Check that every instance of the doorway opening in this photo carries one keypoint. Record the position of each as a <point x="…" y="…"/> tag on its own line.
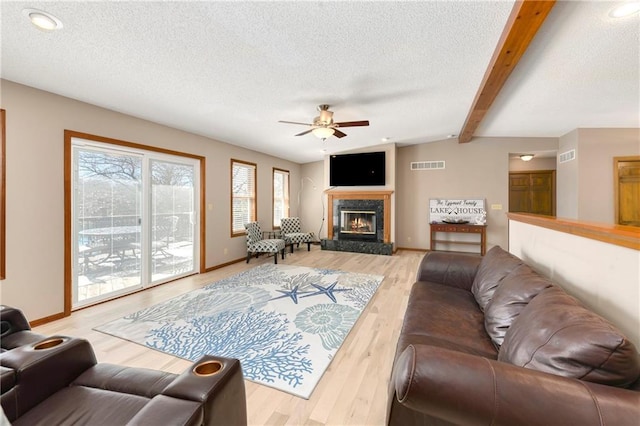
<point x="532" y="184"/>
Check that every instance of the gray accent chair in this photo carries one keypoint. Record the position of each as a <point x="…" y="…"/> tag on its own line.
<point x="256" y="244"/>
<point x="291" y="230"/>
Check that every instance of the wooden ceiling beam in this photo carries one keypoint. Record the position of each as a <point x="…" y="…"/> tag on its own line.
<point x="526" y="18"/>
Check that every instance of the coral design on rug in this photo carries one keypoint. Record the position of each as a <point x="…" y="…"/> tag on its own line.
<point x="283" y="322"/>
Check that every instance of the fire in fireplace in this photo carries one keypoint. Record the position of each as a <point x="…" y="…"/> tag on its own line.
<point x="357" y="222"/>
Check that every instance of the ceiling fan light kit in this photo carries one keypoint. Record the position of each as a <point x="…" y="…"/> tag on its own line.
<point x="323" y="125"/>
<point x="323" y="132"/>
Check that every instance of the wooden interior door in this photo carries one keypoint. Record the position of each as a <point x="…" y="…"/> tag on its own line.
<point x="627" y="190"/>
<point x="519" y="198"/>
<point x="533" y="192"/>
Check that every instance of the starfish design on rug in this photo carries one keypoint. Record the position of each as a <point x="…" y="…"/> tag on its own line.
<point x="293" y="294"/>
<point x="327" y="290"/>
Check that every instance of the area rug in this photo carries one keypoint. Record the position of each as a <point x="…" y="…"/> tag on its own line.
<point x="283" y="322"/>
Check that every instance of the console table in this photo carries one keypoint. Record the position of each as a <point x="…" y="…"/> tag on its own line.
<point x="466" y="228"/>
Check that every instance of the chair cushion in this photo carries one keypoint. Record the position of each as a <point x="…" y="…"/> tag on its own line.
<point x="297" y="237"/>
<point x="21" y="338"/>
<point x="118" y="378"/>
<point x="512" y="295"/>
<point x="272" y="245"/>
<point x="84" y="406"/>
<point x="557" y="335"/>
<point x="495" y="265"/>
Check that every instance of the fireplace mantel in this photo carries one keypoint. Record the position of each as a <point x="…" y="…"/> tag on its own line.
<point x="385" y="196"/>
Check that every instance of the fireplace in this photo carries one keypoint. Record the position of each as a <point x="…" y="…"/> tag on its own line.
<point x="357" y="224"/>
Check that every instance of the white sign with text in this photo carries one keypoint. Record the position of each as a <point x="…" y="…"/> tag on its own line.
<point x="457" y="211"/>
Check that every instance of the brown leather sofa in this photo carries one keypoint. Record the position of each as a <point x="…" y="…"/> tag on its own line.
<point x="57" y="381"/>
<point x="490" y="341"/>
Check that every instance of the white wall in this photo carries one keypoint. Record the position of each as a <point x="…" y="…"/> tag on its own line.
<point x="313" y="204"/>
<point x="567" y="188"/>
<point x="545" y="163"/>
<point x="604" y="277"/>
<point x="597" y="148"/>
<point x="479" y="169"/>
<point x="36" y="121"/>
<point x="585" y="185"/>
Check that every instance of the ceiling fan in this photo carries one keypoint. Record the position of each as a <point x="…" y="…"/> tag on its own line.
<point x="323" y="125"/>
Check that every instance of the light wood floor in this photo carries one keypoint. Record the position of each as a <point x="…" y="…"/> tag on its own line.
<point x="353" y="390"/>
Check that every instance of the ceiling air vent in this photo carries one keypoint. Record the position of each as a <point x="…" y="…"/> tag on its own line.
<point x="427" y="165"/>
<point x="568" y="156"/>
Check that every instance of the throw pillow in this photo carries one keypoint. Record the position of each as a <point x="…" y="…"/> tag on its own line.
<point x="512" y="295"/>
<point x="496" y="264"/>
<point x="557" y="335"/>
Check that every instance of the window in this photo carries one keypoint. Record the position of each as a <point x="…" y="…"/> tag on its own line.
<point x="134" y="219"/>
<point x="243" y="195"/>
<point x="280" y="195"/>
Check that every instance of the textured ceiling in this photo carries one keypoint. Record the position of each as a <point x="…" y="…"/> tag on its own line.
<point x="231" y="70"/>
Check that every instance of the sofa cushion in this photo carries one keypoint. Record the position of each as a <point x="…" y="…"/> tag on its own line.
<point x="557" y="335"/>
<point x="509" y="299"/>
<point x="438" y="313"/>
<point x="496" y="264"/>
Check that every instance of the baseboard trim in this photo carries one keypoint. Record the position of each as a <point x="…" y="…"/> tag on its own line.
<point x="45" y="320"/>
<point x="222" y="265"/>
<point x="412" y="249"/>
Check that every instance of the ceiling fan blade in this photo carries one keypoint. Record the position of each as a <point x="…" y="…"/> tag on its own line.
<point x="338" y="134"/>
<point x="353" y="123"/>
<point x="295" y="122"/>
<point x="304" y="133"/>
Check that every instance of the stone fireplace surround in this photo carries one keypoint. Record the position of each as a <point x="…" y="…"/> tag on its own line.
<point x="378" y="201"/>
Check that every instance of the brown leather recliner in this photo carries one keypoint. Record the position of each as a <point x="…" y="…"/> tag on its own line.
<point x="15" y="329"/>
<point x="57" y="380"/>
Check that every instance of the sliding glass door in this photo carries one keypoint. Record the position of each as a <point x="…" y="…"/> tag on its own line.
<point x="172" y="219"/>
<point x="134" y="219"/>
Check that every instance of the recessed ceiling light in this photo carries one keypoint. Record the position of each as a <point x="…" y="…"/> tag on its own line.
<point x="42" y="20"/>
<point x="451" y="136"/>
<point x="386" y="139"/>
<point x="625" y="9"/>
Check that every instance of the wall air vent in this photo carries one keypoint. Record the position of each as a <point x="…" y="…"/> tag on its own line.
<point x="427" y="165"/>
<point x="567" y="156"/>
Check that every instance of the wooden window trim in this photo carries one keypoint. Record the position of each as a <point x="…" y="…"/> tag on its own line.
<point x="254" y="213"/>
<point x="287" y="194"/>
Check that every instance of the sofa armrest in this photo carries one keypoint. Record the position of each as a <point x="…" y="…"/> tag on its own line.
<point x="43" y="368"/>
<point x="452" y="269"/>
<point x="467" y="389"/>
<point x="217" y="383"/>
<point x="165" y="410"/>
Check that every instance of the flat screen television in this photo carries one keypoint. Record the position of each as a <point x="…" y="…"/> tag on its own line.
<point x="362" y="169"/>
